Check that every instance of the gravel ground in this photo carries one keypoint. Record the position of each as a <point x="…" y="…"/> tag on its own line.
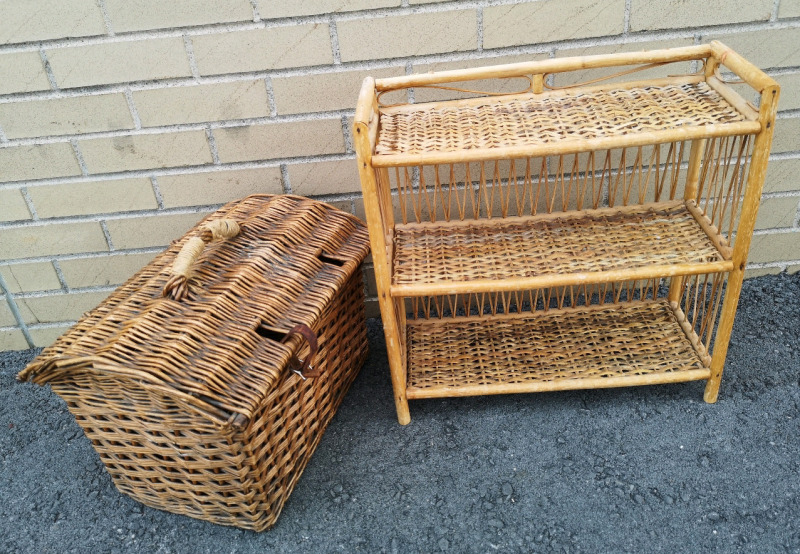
<point x="647" y="469"/>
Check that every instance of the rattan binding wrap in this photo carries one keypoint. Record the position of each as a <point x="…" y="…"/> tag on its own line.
<point x="191" y="404"/>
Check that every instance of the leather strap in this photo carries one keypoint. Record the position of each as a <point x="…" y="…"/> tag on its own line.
<point x="304" y="368"/>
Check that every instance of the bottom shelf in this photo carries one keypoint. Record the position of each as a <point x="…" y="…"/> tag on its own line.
<point x="605" y="346"/>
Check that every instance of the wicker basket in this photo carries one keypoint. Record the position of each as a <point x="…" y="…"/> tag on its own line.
<point x="189" y="385"/>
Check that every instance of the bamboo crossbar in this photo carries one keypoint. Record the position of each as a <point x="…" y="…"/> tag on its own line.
<point x="553" y="94"/>
<point x="547" y="281"/>
<point x="557" y="65"/>
<point x="582" y="383"/>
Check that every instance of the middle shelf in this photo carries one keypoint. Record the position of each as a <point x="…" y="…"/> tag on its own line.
<point x="513" y="253"/>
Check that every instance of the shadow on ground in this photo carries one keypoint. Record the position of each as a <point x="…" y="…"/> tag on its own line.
<point x="644" y="469"/>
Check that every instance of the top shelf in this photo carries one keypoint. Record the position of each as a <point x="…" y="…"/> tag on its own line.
<point x="561" y="121"/>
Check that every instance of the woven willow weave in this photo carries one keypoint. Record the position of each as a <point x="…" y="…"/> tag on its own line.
<point x="498" y="223"/>
<point x="191" y="404"/>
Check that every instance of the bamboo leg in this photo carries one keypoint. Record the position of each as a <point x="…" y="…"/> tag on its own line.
<point x="391" y="330"/>
<point x="378" y="233"/>
<point x="755" y="182"/>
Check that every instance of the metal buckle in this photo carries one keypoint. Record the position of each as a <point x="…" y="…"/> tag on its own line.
<point x="300" y="373"/>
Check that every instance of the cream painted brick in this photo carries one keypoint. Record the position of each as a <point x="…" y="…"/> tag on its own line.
<point x="41" y="161"/>
<point x="422" y="94"/>
<point x="323" y="91"/>
<point x="760" y="272"/>
<point x="775" y="247"/>
<point x="271" y="9"/>
<point x="144" y="232"/>
<point x="65" y="116"/>
<point x="787" y="135"/>
<point x="106" y="155"/>
<point x="676" y="14"/>
<point x="45" y="336"/>
<point x="124" y="195"/>
<point x="280" y="140"/>
<point x="22" y="72"/>
<point x="408" y="35"/>
<point x="574" y="77"/>
<point x="202" y="189"/>
<point x="790" y="91"/>
<point x="261" y="49"/>
<point x="119" y="62"/>
<point x="783" y="176"/>
<point x="789" y="8"/>
<point x="13" y="206"/>
<point x="7" y="318"/>
<point x="12" y="339"/>
<point x="765" y="49"/>
<point x="52" y="239"/>
<point x="114" y="269"/>
<point x="316" y="179"/>
<point x="221" y="101"/>
<point x="547" y="21"/>
<point x="775" y="213"/>
<point x="58" y="307"/>
<point x="28" y="21"/>
<point x="140" y="15"/>
<point x="30" y="277"/>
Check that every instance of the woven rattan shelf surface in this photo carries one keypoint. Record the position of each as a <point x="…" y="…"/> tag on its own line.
<point x="472" y="255"/>
<point x="589" y="347"/>
<point x="533" y="120"/>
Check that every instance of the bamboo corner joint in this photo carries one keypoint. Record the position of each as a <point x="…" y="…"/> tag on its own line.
<point x="592" y="235"/>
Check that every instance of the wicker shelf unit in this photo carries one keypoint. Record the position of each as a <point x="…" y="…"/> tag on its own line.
<point x="587" y="236"/>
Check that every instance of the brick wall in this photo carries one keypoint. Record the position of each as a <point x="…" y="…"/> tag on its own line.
<point x="122" y="122"/>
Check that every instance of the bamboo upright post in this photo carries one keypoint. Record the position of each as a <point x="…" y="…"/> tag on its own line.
<point x="755" y="184"/>
<point x="380" y="257"/>
<point x="689" y="193"/>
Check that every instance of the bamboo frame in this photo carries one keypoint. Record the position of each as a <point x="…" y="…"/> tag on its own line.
<point x="627" y="170"/>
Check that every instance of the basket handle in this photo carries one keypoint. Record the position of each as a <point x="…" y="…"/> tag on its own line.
<point x="177" y="287"/>
<point x="304" y="369"/>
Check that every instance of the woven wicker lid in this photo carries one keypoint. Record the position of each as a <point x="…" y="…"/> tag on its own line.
<point x="287" y="263"/>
